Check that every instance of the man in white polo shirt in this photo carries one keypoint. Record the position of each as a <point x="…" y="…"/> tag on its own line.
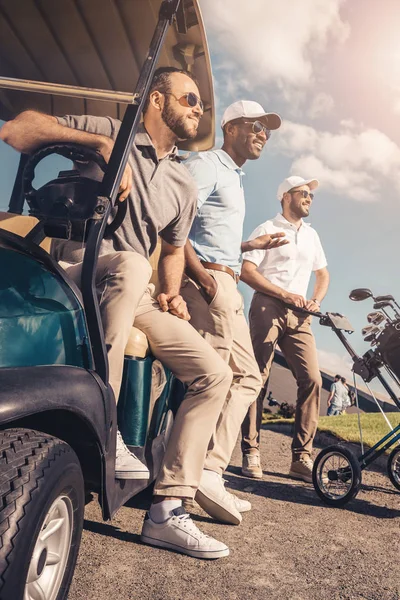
<point x="280" y="277"/>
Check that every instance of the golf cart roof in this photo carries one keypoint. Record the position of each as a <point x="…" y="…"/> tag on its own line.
<point x="84" y="56"/>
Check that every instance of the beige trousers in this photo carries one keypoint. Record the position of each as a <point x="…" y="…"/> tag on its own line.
<point x="122" y="280"/>
<point x="271" y="323"/>
<point x="222" y="323"/>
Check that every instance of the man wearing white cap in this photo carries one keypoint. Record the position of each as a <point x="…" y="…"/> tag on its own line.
<point x="213" y="257"/>
<point x="280" y="277"/>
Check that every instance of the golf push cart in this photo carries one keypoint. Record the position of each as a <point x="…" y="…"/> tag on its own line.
<point x="337" y="470"/>
<point x="58" y="416"/>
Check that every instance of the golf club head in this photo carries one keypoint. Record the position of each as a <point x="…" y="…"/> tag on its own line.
<point x="376" y="318"/>
<point x="382" y="304"/>
<point x="371" y="337"/>
<point x="387" y="298"/>
<point x="360" y="294"/>
<point x="370" y="329"/>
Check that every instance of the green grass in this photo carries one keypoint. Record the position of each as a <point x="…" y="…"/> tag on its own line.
<point x="345" y="427"/>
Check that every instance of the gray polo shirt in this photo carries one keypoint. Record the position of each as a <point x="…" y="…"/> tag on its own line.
<point x="162" y="200"/>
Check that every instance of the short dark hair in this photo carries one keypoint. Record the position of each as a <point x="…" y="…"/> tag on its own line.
<point x="338" y="376"/>
<point x="162" y="81"/>
<point x="343" y="379"/>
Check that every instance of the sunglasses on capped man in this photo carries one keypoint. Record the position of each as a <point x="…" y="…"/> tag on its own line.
<point x="304" y="193"/>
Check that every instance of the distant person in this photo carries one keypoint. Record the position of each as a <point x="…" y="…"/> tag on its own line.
<point x="280" y="277"/>
<point x="336" y="397"/>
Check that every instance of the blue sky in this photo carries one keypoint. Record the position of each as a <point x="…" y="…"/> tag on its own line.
<point x="331" y="69"/>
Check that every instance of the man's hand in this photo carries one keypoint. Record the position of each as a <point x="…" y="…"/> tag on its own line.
<point x="126" y="184"/>
<point x="208" y="291"/>
<point x="265" y="242"/>
<point x="313" y="306"/>
<point x="175" y="305"/>
<point x="295" y="299"/>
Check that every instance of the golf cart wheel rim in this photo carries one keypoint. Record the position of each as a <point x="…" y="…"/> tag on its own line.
<point x="335" y="462"/>
<point x="50" y="555"/>
<point x="395" y="467"/>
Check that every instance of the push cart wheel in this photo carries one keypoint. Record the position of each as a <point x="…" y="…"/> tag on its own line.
<point x="336" y="475"/>
<point x="41" y="515"/>
<point x="393" y="467"/>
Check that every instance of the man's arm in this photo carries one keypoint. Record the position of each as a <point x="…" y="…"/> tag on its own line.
<point x="320" y="289"/>
<point x="331" y="394"/>
<point x="31" y="130"/>
<point x="170" y="271"/>
<point x="258" y="282"/>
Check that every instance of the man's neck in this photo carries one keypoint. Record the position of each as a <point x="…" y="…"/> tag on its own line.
<point x="239" y="160"/>
<point x="163" y="138"/>
<point x="292" y="218"/>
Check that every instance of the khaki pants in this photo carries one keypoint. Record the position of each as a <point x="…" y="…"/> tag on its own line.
<point x="126" y="299"/>
<point x="271" y="323"/>
<point x="222" y="323"/>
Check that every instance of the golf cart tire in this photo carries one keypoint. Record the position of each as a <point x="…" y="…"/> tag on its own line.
<point x="38" y="473"/>
<point x="345" y="452"/>
<point x="393" y="462"/>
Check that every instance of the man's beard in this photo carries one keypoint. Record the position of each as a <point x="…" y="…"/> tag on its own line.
<point x="177" y="124"/>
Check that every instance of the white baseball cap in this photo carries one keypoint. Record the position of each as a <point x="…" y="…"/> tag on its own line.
<point x="295" y="181"/>
<point x="251" y="110"/>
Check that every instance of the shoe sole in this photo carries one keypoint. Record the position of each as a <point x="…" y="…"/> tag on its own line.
<point x="207" y="554"/>
<point x="252" y="475"/>
<point x="131" y="475"/>
<point x="216" y="511"/>
<point x="300" y="477"/>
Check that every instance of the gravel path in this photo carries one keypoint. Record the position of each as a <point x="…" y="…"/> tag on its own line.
<point x="289" y="547"/>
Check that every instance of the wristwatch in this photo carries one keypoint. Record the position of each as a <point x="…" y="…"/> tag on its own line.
<point x="316" y="301"/>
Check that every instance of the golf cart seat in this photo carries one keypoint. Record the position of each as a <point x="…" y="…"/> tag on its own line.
<point x="137" y="345"/>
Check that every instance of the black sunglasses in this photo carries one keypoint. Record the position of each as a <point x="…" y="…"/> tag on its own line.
<point x="189" y="100"/>
<point x="258" y="127"/>
<point x="304" y="193"/>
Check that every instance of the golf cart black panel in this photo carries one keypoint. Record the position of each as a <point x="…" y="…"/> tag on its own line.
<point x="98" y="44"/>
<point x="32" y="390"/>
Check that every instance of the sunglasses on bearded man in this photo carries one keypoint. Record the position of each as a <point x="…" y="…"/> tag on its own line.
<point x="188" y="100"/>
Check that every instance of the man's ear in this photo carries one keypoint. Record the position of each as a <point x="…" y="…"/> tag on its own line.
<point x="229" y="129"/>
<point x="156" y="99"/>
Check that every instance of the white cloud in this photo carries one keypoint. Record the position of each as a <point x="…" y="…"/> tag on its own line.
<point x="350" y="163"/>
<point x="274" y="43"/>
<point x="333" y="364"/>
<point x="321" y="105"/>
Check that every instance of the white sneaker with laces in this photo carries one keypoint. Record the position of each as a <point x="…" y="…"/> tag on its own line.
<point x="215" y="500"/>
<point x="180" y="534"/>
<point x="127" y="465"/>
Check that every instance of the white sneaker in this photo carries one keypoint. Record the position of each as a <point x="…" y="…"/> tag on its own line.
<point x="127" y="465"/>
<point x="215" y="500"/>
<point x="179" y="533"/>
<point x="241" y="505"/>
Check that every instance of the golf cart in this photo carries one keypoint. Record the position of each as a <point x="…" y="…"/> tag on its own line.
<point x="58" y="416"/>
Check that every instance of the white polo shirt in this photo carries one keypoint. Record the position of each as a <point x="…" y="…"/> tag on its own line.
<point x="289" y="266"/>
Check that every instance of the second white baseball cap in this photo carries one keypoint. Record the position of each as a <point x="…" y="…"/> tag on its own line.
<point x="295" y="181"/>
<point x="250" y="110"/>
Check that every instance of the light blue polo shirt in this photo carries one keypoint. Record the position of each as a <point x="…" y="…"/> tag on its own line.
<point x="217" y="229"/>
